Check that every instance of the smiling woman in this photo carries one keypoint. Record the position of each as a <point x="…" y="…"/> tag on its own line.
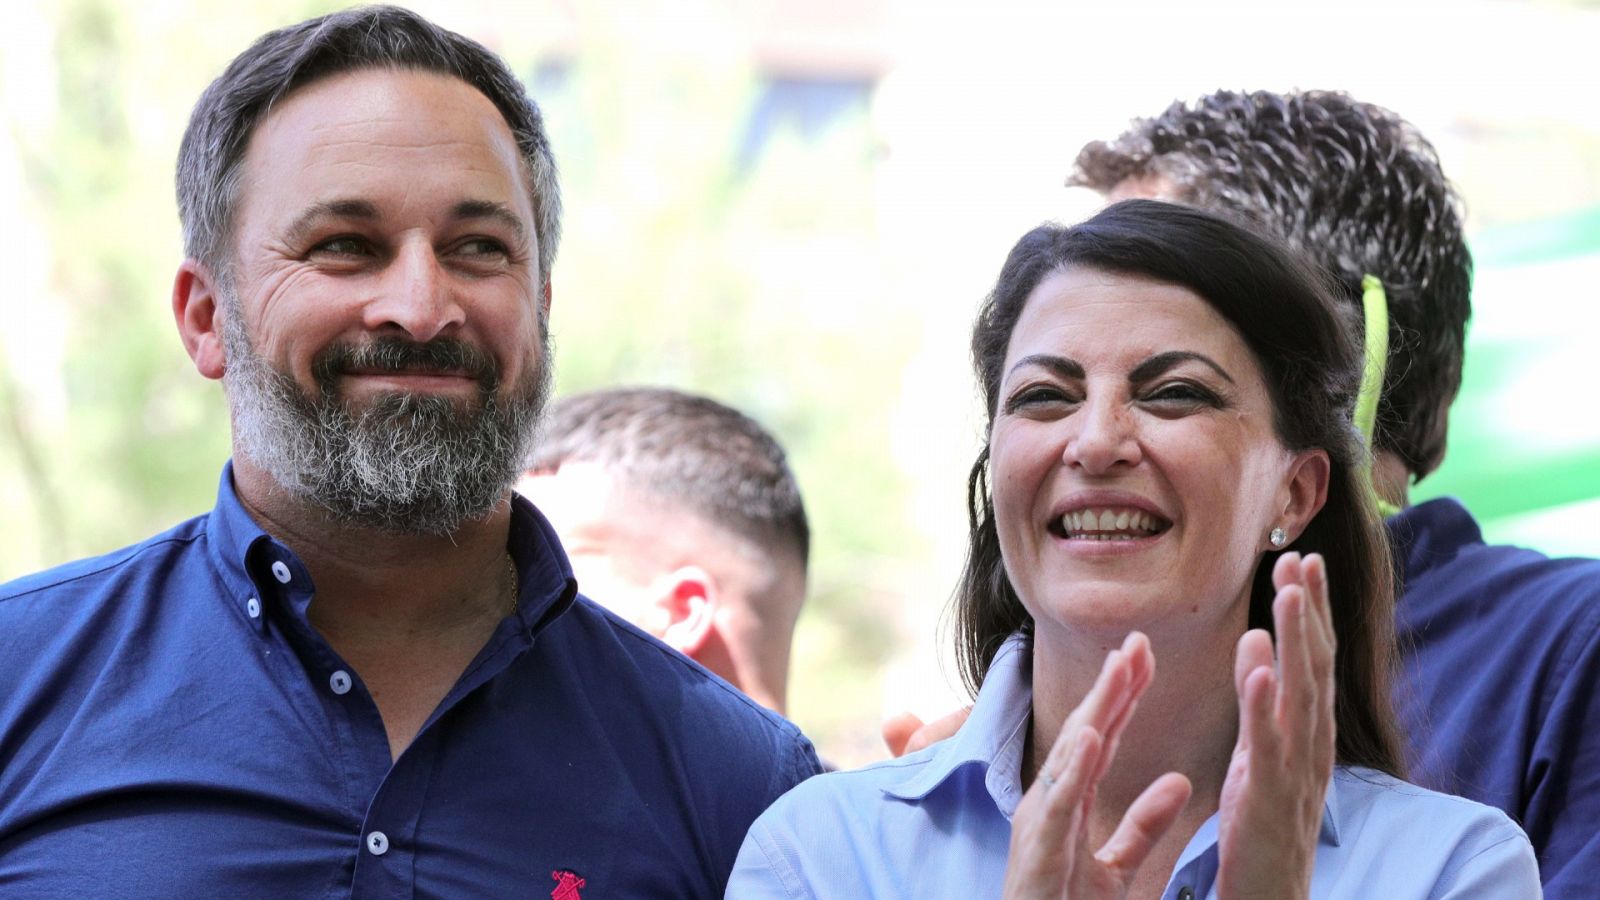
<point x="1171" y="471"/>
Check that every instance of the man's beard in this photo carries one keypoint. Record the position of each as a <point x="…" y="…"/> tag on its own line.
<point x="402" y="463"/>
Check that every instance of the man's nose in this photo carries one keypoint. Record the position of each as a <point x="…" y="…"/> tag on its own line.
<point x="1106" y="436"/>
<point x="416" y="295"/>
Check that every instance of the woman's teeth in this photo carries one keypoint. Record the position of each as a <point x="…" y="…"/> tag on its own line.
<point x="1109" y="524"/>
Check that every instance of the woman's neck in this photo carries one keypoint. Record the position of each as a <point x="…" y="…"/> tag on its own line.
<point x="1186" y="722"/>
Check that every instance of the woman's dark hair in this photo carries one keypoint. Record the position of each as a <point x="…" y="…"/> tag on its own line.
<point x="1283" y="310"/>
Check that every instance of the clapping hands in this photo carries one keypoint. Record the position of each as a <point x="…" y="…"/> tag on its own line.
<point x="1270" y="808"/>
<point x="1050" y="854"/>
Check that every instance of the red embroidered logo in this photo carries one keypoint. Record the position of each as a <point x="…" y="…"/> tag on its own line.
<point x="567" y="885"/>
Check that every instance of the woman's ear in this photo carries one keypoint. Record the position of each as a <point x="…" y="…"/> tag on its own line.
<point x="195" y="300"/>
<point x="1305" y="491"/>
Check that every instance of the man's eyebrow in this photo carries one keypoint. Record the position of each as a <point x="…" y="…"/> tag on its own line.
<point x="1161" y="362"/>
<point x="489" y="209"/>
<point x="1062" y="366"/>
<point x="368" y="211"/>
<point x="330" y="209"/>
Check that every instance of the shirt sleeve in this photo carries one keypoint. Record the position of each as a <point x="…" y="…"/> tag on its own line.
<point x="796" y="765"/>
<point x="1564" y="805"/>
<point x="762" y="871"/>
<point x="1500" y="864"/>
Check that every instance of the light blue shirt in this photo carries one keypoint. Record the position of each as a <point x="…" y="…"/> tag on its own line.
<point x="938" y="824"/>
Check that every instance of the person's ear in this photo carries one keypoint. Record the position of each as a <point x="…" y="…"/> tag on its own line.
<point x="195" y="307"/>
<point x="1305" y="492"/>
<point x="688" y="599"/>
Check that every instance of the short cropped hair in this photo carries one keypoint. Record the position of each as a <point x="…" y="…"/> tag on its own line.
<point x="211" y="157"/>
<point x="716" y="461"/>
<point x="1355" y="187"/>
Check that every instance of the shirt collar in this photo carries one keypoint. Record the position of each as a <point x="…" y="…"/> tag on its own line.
<point x="992" y="737"/>
<point x="994" y="734"/>
<point x="1432" y="533"/>
<point x="546" y="587"/>
<point x="255" y="566"/>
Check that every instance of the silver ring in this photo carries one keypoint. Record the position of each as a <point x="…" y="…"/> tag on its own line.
<point x="1048" y="779"/>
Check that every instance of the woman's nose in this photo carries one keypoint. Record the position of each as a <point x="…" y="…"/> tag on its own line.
<point x="1106" y="436"/>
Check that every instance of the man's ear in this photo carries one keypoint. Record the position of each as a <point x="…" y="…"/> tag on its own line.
<point x="1305" y="491"/>
<point x="688" y="600"/>
<point x="195" y="300"/>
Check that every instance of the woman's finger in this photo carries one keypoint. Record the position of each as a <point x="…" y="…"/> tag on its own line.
<point x="1253" y="651"/>
<point x="1286" y="570"/>
<point x="1322" y="646"/>
<point x="1143" y="825"/>
<point x="1064" y="790"/>
<point x="1321" y="612"/>
<point x="1141" y="665"/>
<point x="1297" y="694"/>
<point x="1108" y="685"/>
<point x="1123" y="677"/>
<point x="1258" y="733"/>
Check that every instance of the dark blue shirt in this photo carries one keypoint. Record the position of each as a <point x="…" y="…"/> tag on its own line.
<point x="1501" y="699"/>
<point x="172" y="726"/>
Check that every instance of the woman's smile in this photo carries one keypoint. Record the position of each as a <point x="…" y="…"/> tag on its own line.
<point x="1134" y="457"/>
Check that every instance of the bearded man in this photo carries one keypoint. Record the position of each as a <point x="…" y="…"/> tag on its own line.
<point x="367" y="671"/>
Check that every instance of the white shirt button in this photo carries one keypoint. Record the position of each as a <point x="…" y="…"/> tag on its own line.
<point x="253" y="607"/>
<point x="340" y="682"/>
<point x="280" y="572"/>
<point x="378" y="843"/>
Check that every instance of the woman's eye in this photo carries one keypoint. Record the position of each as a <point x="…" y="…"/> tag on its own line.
<point x="1182" y="393"/>
<point x="1036" y="397"/>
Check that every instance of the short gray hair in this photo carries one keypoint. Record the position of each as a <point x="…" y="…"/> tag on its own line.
<point x="280" y="62"/>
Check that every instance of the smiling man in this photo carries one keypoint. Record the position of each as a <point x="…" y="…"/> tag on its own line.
<point x="367" y="671"/>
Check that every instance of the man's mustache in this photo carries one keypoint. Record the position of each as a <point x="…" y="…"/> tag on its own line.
<point x="392" y="354"/>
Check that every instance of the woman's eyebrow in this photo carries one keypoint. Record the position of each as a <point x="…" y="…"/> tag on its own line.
<point x="1161" y="362"/>
<point x="1062" y="366"/>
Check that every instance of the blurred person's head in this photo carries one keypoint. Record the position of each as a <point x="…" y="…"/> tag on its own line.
<point x="1356" y="188"/>
<point x="370" y="212"/>
<point x="1169" y="401"/>
<point x="683" y="516"/>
